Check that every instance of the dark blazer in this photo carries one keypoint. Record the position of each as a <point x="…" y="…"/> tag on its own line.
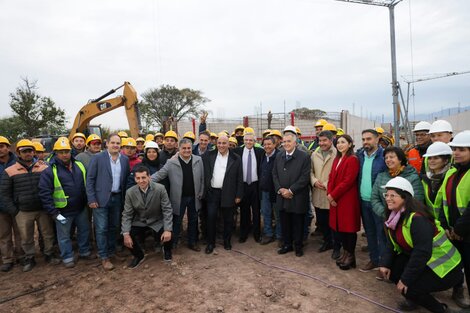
<point x="233" y="181"/>
<point x="99" y="179"/>
<point x="258" y="155"/>
<point x="294" y="175"/>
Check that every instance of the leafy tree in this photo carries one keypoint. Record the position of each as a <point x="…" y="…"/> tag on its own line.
<point x="168" y="101"/>
<point x="308" y="114"/>
<point x="10" y="128"/>
<point x="35" y="114"/>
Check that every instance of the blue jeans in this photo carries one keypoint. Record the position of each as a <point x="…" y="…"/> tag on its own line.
<point x="83" y="235"/>
<point x="267" y="211"/>
<point x="373" y="225"/>
<point x="190" y="204"/>
<point x="106" y="221"/>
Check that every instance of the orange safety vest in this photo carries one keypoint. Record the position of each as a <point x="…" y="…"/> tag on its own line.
<point x="415" y="160"/>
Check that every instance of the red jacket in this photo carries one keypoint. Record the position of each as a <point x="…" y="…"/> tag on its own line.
<point x="343" y="187"/>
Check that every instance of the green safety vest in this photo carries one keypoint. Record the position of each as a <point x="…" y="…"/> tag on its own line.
<point x="445" y="257"/>
<point x="435" y="206"/>
<point x="60" y="199"/>
<point x="462" y="192"/>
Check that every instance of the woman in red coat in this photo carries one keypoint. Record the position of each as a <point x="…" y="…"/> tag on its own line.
<point x="345" y="216"/>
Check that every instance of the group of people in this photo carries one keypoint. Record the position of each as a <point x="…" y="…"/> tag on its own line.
<point x="414" y="205"/>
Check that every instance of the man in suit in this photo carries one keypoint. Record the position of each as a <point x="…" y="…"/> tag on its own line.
<point x="147" y="207"/>
<point x="186" y="175"/>
<point x="250" y="205"/>
<point x="223" y="176"/>
<point x="291" y="176"/>
<point x="105" y="187"/>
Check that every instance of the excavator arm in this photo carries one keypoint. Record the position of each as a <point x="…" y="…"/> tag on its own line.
<point x="98" y="106"/>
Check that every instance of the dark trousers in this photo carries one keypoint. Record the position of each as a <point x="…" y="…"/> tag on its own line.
<point x="292" y="225"/>
<point x="190" y="204"/>
<point x="464" y="249"/>
<point x="323" y="223"/>
<point x="420" y="290"/>
<point x="250" y="211"/>
<point x="138" y="236"/>
<point x="203" y="219"/>
<point x="348" y="240"/>
<point x="214" y="197"/>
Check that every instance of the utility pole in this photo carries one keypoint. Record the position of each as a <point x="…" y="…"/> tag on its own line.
<point x="390" y="4"/>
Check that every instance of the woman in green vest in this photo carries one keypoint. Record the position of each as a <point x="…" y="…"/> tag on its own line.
<point x="419" y="258"/>
<point x="455" y="213"/>
<point x="439" y="157"/>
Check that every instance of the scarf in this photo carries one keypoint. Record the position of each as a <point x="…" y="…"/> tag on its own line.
<point x="393" y="219"/>
<point x="395" y="173"/>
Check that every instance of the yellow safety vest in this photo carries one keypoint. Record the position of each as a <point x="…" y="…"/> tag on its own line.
<point x="435" y="206"/>
<point x="445" y="257"/>
<point x="462" y="193"/>
<point x="60" y="199"/>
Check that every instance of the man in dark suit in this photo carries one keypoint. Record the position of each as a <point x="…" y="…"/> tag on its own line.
<point x="250" y="205"/>
<point x="106" y="185"/>
<point x="223" y="176"/>
<point x="291" y="176"/>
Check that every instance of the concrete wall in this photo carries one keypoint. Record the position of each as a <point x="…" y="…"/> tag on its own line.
<point x="459" y="121"/>
<point x="354" y="125"/>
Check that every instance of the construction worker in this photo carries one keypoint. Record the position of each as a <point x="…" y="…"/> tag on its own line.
<point x="339" y="131"/>
<point x="190" y="135"/>
<point x="318" y="129"/>
<point x="423" y="141"/>
<point x="277" y="137"/>
<point x="214" y="138"/>
<point x="129" y="146"/>
<point x="170" y="146"/>
<point x="20" y="195"/>
<point x="266" y="133"/>
<point x="150" y="137"/>
<point x="441" y="130"/>
<point x="140" y="145"/>
<point x="63" y="196"/>
<point x="9" y="249"/>
<point x="39" y="151"/>
<point x="293" y="130"/>
<point x="232" y="143"/>
<point x="159" y="139"/>
<point x="379" y="130"/>
<point x="93" y="143"/>
<point x="122" y="134"/>
<point x="78" y="143"/>
<point x="386" y="140"/>
<point x="455" y="208"/>
<point x="299" y="134"/>
<point x="239" y="131"/>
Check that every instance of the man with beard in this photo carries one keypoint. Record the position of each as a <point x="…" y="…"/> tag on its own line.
<point x="170" y="147"/>
<point x="93" y="143"/>
<point x="78" y="143"/>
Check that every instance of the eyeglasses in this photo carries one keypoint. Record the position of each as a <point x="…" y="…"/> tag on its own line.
<point x="389" y="196"/>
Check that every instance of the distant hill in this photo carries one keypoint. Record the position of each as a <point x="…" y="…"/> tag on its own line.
<point x="440" y="114"/>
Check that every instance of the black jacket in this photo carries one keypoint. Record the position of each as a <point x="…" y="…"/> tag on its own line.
<point x="266" y="182"/>
<point x="258" y="155"/>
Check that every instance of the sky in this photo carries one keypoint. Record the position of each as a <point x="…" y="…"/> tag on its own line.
<point x="243" y="55"/>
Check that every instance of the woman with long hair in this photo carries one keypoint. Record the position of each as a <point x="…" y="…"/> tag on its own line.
<point x="418" y="258"/>
<point x="342" y="193"/>
<point x="150" y="160"/>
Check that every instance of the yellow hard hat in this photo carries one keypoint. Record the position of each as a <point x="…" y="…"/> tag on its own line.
<point x="379" y="129"/>
<point x="239" y="127"/>
<point x="171" y="134"/>
<point x="248" y="130"/>
<point x="150" y="137"/>
<point x="189" y="135"/>
<point x="275" y="132"/>
<point x="140" y="139"/>
<point x="62" y="143"/>
<point x="321" y="122"/>
<point x="266" y="132"/>
<point x="233" y="139"/>
<point x="38" y="146"/>
<point x="81" y="135"/>
<point x="158" y="135"/>
<point x="4" y="140"/>
<point x="222" y="134"/>
<point x="233" y="134"/>
<point x="330" y="127"/>
<point x="297" y="130"/>
<point x="24" y="143"/>
<point x="92" y="137"/>
<point x="388" y="139"/>
<point x="214" y="135"/>
<point x="122" y="134"/>
<point x="129" y="142"/>
<point x="123" y="141"/>
<point x="226" y="132"/>
<point x="339" y="131"/>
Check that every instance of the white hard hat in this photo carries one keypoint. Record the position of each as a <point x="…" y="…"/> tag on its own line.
<point x="400" y="183"/>
<point x="151" y="144"/>
<point x="461" y="139"/>
<point x="290" y="129"/>
<point x="422" y="126"/>
<point x="440" y="126"/>
<point x="438" y="148"/>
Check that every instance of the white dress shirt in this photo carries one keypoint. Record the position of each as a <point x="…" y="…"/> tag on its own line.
<point x="220" y="168"/>
<point x="254" y="165"/>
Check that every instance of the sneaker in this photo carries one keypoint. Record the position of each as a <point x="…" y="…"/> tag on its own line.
<point x="107" y="265"/>
<point x="369" y="267"/>
<point x="70" y="264"/>
<point x="266" y="240"/>
<point x="28" y="264"/>
<point x="167" y="255"/>
<point x="6" y="267"/>
<point x="52" y="259"/>
<point x="136" y="262"/>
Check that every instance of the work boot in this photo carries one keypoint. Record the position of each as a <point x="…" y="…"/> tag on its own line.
<point x="459" y="298"/>
<point x="407" y="305"/>
<point x="107" y="265"/>
<point x="52" y="259"/>
<point x="29" y="263"/>
<point x="6" y="267"/>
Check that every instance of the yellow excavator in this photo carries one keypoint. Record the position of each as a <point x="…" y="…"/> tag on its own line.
<point x="98" y="106"/>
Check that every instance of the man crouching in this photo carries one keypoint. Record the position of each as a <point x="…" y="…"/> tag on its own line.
<point x="147" y="206"/>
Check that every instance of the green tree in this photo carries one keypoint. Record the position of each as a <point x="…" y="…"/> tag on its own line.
<point x="308" y="114"/>
<point x="35" y="114"/>
<point x="10" y="128"/>
<point x="168" y="101"/>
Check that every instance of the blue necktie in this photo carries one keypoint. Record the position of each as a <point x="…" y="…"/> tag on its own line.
<point x="248" y="169"/>
<point x="288" y="157"/>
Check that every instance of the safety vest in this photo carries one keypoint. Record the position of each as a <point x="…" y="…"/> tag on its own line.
<point x="445" y="257"/>
<point x="462" y="192"/>
<point x="435" y="206"/>
<point x="60" y="199"/>
<point x="414" y="159"/>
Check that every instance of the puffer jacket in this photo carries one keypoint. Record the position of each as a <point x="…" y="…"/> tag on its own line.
<point x="19" y="187"/>
<point x="3" y="166"/>
<point x="378" y="200"/>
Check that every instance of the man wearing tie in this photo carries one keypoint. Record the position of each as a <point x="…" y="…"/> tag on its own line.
<point x="250" y="205"/>
<point x="291" y="176"/>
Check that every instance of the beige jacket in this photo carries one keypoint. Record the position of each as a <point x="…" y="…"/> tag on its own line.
<point x="321" y="169"/>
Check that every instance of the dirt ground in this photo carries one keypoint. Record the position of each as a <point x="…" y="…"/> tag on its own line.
<point x="246" y="279"/>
